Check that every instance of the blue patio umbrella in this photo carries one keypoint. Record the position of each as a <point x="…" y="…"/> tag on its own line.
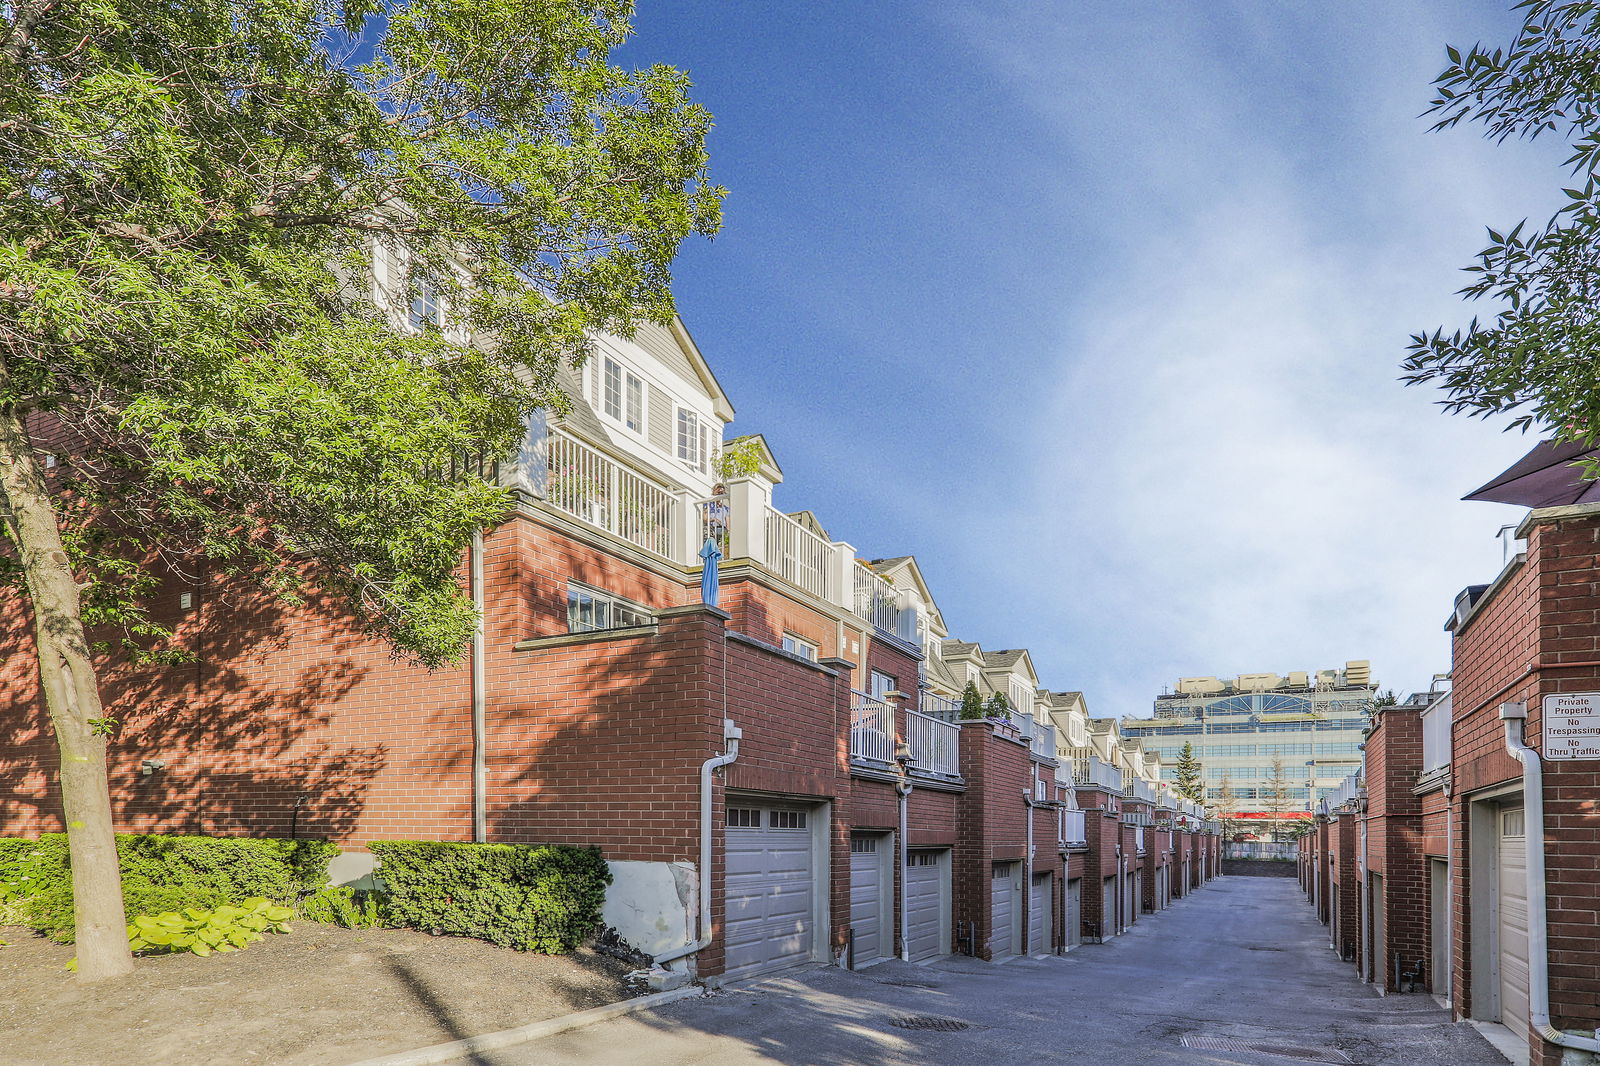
<point x="708" y="575"/>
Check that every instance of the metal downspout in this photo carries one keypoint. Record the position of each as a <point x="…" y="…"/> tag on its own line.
<point x="480" y="762"/>
<point x="1365" y="891"/>
<point x="903" y="790"/>
<point x="731" y="733"/>
<point x="1027" y="870"/>
<point x="1515" y="716"/>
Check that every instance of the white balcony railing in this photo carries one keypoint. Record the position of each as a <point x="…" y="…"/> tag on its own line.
<point x="600" y="491"/>
<point x="1088" y="769"/>
<point x="799" y="555"/>
<point x="871" y="729"/>
<point x="1436" y="736"/>
<point x="1138" y="839"/>
<point x="1044" y="740"/>
<point x="1144" y="790"/>
<point x="1023" y="722"/>
<point x="1073" y="830"/>
<point x="877" y="601"/>
<point x="935" y="745"/>
<point x="941" y="707"/>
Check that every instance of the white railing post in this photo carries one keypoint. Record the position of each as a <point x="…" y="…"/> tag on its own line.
<point x="748" y="500"/>
<point x="690" y="535"/>
<point x="841" y="578"/>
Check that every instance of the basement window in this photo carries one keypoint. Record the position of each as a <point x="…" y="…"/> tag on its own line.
<point x="590" y="609"/>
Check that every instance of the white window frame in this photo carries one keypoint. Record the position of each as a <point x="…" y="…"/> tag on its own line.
<point x="880" y="684"/>
<point x="693" y="440"/>
<point x="611" y="389"/>
<point x="798" y="645"/>
<point x="633" y="405"/>
<point x="604" y="610"/>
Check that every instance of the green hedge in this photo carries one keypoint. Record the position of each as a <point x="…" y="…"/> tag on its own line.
<point x="162" y="873"/>
<point x="545" y="899"/>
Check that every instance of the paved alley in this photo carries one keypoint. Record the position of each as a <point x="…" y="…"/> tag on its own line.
<point x="1240" y="962"/>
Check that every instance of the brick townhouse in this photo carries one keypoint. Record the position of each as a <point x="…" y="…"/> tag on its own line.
<point x="780" y="778"/>
<point x="1468" y="793"/>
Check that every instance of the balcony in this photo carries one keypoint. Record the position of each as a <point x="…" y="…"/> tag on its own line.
<point x="799" y="556"/>
<point x="878" y="601"/>
<point x="1436" y="736"/>
<point x="943" y="708"/>
<point x="1044" y="741"/>
<point x="871" y="730"/>
<point x="596" y="489"/>
<point x="935" y="745"/>
<point x="1089" y="770"/>
<point x="1138" y="840"/>
<point x="1074" y="833"/>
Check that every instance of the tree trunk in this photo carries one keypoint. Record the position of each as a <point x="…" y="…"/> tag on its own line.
<point x="72" y="696"/>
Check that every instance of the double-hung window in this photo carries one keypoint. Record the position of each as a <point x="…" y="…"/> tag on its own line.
<point x="882" y="685"/>
<point x="427" y="310"/>
<point x="589" y="609"/>
<point x="622" y="395"/>
<point x="693" y="445"/>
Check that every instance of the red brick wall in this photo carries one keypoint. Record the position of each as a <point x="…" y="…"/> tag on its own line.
<point x="991" y="823"/>
<point x="1394" y="841"/>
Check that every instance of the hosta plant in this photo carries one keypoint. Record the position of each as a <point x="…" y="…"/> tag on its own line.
<point x="225" y="928"/>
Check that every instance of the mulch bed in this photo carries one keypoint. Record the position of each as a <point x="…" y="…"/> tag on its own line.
<point x="317" y="996"/>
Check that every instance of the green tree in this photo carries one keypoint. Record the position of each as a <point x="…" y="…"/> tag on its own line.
<point x="1190" y="780"/>
<point x="214" y="220"/>
<point x="1223" y="808"/>
<point x="997" y="707"/>
<point x="1276" y="794"/>
<point x="1538" y="352"/>
<point x="971" y="702"/>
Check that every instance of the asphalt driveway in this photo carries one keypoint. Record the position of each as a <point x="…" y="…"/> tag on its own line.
<point x="1239" y="973"/>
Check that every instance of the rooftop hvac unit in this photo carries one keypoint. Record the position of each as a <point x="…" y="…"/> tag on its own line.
<point x="1358" y="672"/>
<point x="1200" y="686"/>
<point x="1299" y="679"/>
<point x="1257" y="682"/>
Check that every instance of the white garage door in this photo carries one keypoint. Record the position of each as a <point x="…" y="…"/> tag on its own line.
<point x="927" y="890"/>
<point x="770" y="887"/>
<point x="1130" y="902"/>
<point x="1108" y="908"/>
<point x="1005" y="914"/>
<point x="1039" y="911"/>
<point x="1074" y="913"/>
<point x="869" y="919"/>
<point x="1513" y="921"/>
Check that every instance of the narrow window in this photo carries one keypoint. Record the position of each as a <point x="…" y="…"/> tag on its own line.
<point x="882" y="684"/>
<point x="613" y="396"/>
<point x="426" y="310"/>
<point x="635" y="404"/>
<point x="688" y="437"/>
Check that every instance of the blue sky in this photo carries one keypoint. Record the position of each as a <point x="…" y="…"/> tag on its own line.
<point x="1097" y="309"/>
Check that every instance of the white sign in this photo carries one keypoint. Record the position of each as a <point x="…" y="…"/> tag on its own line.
<point x="1572" y="726"/>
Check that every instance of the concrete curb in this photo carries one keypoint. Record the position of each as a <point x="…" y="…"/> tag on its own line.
<point x="439" y="1053"/>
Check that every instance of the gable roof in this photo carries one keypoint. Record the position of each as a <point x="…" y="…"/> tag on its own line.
<point x="673" y="345"/>
<point x="808" y="520"/>
<point x="952" y="649"/>
<point x="1010" y="659"/>
<point x="907" y="565"/>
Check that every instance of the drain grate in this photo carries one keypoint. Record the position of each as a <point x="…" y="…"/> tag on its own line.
<point x="930" y="1023"/>
<point x="1200" y="1042"/>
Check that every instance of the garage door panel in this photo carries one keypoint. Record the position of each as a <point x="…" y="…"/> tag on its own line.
<point x="1513" y="920"/>
<point x="769" y="888"/>
<point x="1005" y="910"/>
<point x="867" y="898"/>
<point x="1039" y="914"/>
<point x="925" y="891"/>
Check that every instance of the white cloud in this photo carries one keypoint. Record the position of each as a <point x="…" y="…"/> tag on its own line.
<point x="1225" y="474"/>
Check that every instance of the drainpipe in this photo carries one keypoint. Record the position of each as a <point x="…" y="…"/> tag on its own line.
<point x="1027" y="869"/>
<point x="1515" y="716"/>
<point x="902" y="789"/>
<point x="731" y="733"/>
<point x="1365" y="890"/>
<point x="480" y="766"/>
